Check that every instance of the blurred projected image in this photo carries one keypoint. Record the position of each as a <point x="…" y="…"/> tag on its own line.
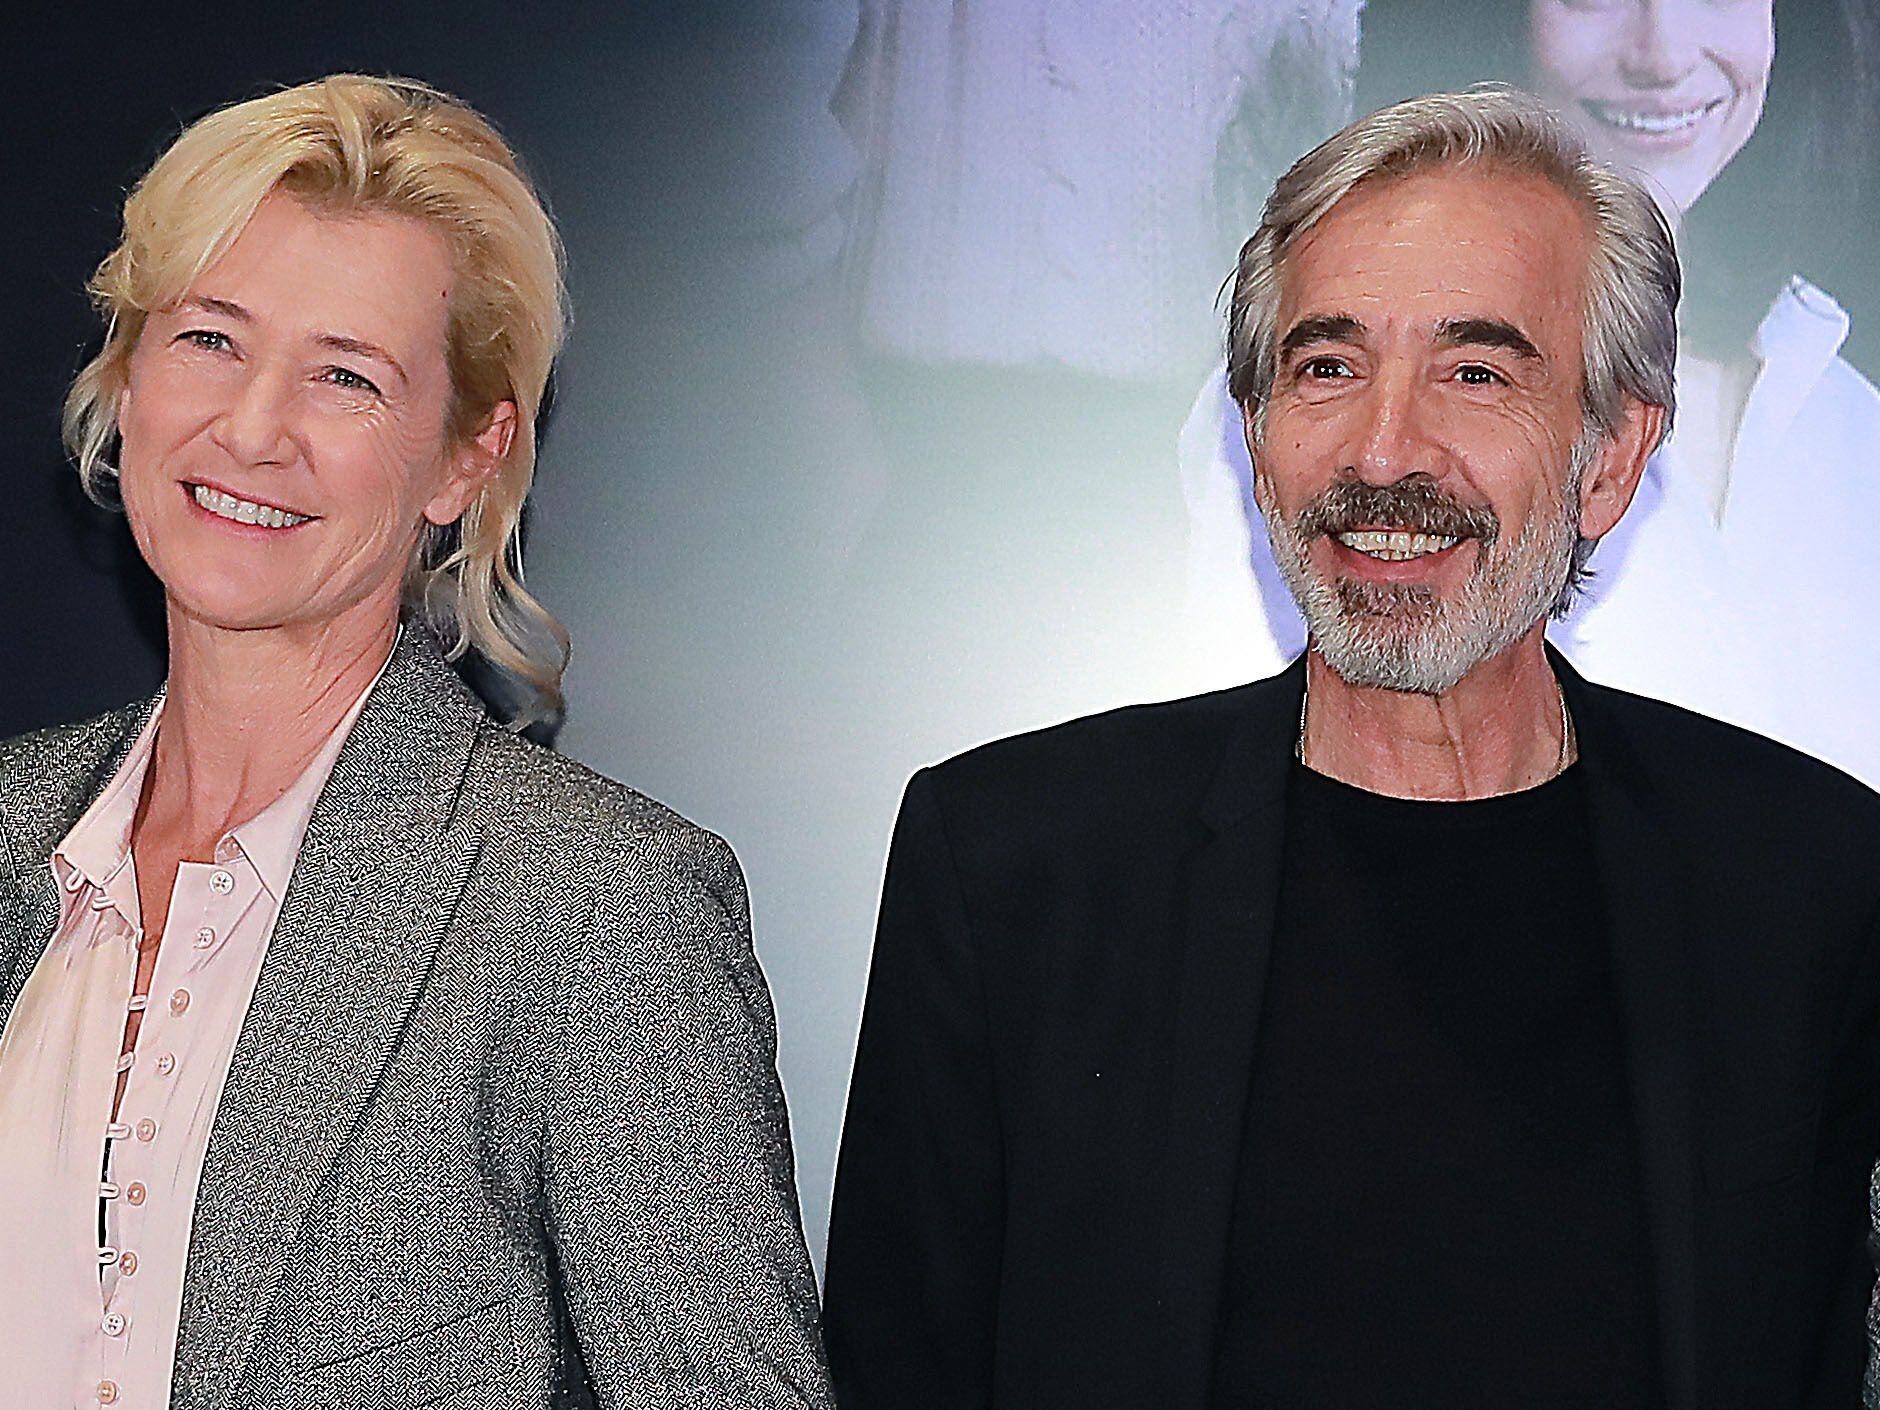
<point x="1050" y="193"/>
<point x="1734" y="584"/>
<point x="1060" y="183"/>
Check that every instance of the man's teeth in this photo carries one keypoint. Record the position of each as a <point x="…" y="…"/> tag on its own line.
<point x="245" y="511"/>
<point x="1652" y="123"/>
<point x="1396" y="545"/>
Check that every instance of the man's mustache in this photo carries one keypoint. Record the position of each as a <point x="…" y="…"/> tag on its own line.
<point x="1415" y="502"/>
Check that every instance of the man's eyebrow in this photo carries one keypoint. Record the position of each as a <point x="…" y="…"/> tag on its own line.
<point x="1321" y="328"/>
<point x="1486" y="333"/>
<point x="359" y="347"/>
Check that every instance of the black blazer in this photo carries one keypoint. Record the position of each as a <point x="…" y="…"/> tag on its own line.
<point x="1039" y="1161"/>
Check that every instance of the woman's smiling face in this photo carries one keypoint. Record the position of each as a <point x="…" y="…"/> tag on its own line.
<point x="285" y="425"/>
<point x="1667" y="89"/>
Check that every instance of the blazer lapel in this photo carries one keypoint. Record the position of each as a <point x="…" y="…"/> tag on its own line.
<point x="1646" y="924"/>
<point x="30" y="904"/>
<point x="372" y="894"/>
<point x="40" y="801"/>
<point x="1218" y="976"/>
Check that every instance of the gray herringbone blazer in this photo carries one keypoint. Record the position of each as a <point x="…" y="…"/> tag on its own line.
<point x="505" y="1101"/>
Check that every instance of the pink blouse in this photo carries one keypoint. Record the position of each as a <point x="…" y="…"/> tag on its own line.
<point x="95" y="1321"/>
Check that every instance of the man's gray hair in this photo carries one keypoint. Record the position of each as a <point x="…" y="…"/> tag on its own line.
<point x="1630" y="321"/>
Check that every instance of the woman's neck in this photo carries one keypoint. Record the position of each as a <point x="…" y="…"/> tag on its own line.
<point x="245" y="713"/>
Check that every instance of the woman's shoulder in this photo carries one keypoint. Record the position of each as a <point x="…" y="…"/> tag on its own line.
<point x="1804" y="335"/>
<point x="539" y="800"/>
<point x="40" y="758"/>
<point x="49" y="775"/>
<point x="556" y="836"/>
<point x="1852" y="390"/>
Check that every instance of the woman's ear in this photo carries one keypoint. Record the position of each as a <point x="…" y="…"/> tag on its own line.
<point x="473" y="465"/>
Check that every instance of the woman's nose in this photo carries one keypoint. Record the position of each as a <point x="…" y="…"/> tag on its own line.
<point x="253" y="426"/>
<point x="1660" y="43"/>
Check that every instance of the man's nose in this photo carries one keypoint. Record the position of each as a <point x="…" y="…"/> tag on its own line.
<point x="253" y="426"/>
<point x="1391" y="442"/>
<point x="1660" y="43"/>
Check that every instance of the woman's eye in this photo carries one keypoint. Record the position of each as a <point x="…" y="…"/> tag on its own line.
<point x="350" y="380"/>
<point x="207" y="338"/>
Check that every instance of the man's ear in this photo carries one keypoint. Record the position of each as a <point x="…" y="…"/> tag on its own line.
<point x="473" y="464"/>
<point x="1618" y="466"/>
<point x="1262" y="491"/>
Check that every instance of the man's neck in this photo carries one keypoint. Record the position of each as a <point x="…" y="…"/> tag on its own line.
<point x="1498" y="730"/>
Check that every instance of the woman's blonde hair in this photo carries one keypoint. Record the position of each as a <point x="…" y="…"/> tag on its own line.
<point x="351" y="144"/>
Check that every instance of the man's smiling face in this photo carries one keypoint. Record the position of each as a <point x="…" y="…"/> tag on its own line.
<point x="1421" y="455"/>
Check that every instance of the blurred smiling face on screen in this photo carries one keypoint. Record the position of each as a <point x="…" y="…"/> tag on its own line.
<point x="1667" y="89"/>
<point x="285" y="423"/>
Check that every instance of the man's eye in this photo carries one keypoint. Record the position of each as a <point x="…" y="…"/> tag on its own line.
<point x="1324" y="368"/>
<point x="350" y="380"/>
<point x="1474" y="374"/>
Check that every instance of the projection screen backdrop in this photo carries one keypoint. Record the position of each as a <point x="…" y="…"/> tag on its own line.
<point x="893" y="421"/>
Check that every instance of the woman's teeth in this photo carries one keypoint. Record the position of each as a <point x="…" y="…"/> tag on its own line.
<point x="1396" y="545"/>
<point x="244" y="511"/>
<point x="1654" y="124"/>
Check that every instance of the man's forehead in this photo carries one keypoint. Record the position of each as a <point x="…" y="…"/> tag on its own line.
<point x="1461" y="187"/>
<point x="1440" y="247"/>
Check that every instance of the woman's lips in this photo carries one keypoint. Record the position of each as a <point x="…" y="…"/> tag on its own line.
<point x="1652" y="124"/>
<point x="236" y="510"/>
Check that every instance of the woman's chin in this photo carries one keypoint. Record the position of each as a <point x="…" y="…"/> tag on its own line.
<point x="228" y="605"/>
<point x="196" y="612"/>
<point x="225" y="606"/>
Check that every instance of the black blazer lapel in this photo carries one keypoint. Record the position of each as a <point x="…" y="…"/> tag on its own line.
<point x="372" y="895"/>
<point x="1218" y="972"/>
<point x="1646" y="914"/>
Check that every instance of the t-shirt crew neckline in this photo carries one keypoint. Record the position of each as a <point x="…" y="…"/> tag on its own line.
<point x="1466" y="814"/>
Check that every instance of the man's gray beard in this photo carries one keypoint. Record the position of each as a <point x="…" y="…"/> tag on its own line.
<point x="1405" y="637"/>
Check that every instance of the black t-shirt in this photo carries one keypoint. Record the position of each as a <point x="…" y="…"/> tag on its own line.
<point x="1439" y="1199"/>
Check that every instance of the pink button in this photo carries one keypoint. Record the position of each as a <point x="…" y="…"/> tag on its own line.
<point x="179" y="1001"/>
<point x="113" y="1324"/>
<point x="146" y="1130"/>
<point x="127" y="1264"/>
<point x="107" y="1392"/>
<point x="205" y="938"/>
<point x="166" y="1063"/>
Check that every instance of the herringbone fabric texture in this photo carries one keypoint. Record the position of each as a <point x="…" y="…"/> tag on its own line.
<point x="509" y="1073"/>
